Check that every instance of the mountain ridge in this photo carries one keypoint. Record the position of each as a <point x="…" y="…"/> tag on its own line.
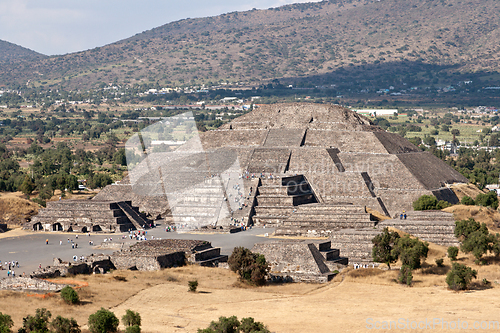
<point x="291" y="42"/>
<point x="13" y="52"/>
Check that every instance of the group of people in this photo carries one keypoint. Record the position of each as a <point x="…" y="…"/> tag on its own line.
<point x="170" y="228"/>
<point x="70" y="241"/>
<point x="402" y="216"/>
<point x="358" y="266"/>
<point x="10" y="265"/>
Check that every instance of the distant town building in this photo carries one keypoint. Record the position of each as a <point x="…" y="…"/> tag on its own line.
<point x="375" y="113"/>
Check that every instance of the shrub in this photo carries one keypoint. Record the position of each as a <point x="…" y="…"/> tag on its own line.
<point x="103" y="321"/>
<point x="193" y="285"/>
<point x="69" y="295"/>
<point x="133" y="329"/>
<point x="460" y="277"/>
<point x="383" y="247"/>
<point x="467" y="201"/>
<point x="425" y="202"/>
<point x="411" y="251"/>
<point x="251" y="267"/>
<point x="37" y="323"/>
<point x="476" y="238"/>
<point x="464" y="228"/>
<point x="489" y="199"/>
<point x="65" y="325"/>
<point x="6" y="323"/>
<point x="442" y="204"/>
<point x="405" y="275"/>
<point x="439" y="262"/>
<point x="232" y="325"/>
<point x="131" y="318"/>
<point x="453" y="252"/>
<point x="249" y="325"/>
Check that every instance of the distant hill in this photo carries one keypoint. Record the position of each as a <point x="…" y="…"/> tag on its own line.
<point x="13" y="52"/>
<point x="407" y="41"/>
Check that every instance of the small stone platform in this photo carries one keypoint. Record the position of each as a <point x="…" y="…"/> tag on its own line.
<point x="301" y="261"/>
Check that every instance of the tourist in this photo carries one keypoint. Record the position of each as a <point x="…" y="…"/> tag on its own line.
<point x="47" y="242"/>
<point x="60" y="242"/>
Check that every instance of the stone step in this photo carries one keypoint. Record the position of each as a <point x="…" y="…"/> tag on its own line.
<point x="274" y="200"/>
<point x="213" y="261"/>
<point x="294" y="217"/>
<point x="325" y="225"/>
<point x="210" y="253"/>
<point x="267" y="220"/>
<point x="274" y="210"/>
<point x="331" y="254"/>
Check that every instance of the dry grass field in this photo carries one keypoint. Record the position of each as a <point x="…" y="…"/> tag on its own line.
<point x="343" y="305"/>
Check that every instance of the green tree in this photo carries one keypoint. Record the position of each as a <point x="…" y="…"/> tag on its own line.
<point x="384" y="247"/>
<point x="6" y="323"/>
<point x="37" y="323"/>
<point x="65" y="325"/>
<point x="463" y="228"/>
<point x="425" y="202"/>
<point x="489" y="199"/>
<point x="232" y="325"/>
<point x="131" y="318"/>
<point x="460" y="277"/>
<point x="467" y="201"/>
<point x="249" y="325"/>
<point x="476" y="238"/>
<point x="252" y="267"/>
<point x="405" y="275"/>
<point x="103" y="321"/>
<point x="193" y="285"/>
<point x="120" y="157"/>
<point x="27" y="186"/>
<point x="133" y="329"/>
<point x="452" y="253"/>
<point x="411" y="251"/>
<point x="69" y="295"/>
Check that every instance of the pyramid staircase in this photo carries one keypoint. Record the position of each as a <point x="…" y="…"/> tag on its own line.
<point x="203" y="205"/>
<point x="316" y="219"/>
<point x="278" y="198"/>
<point x="430" y="226"/>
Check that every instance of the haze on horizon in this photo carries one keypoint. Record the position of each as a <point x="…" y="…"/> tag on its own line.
<point x="55" y="27"/>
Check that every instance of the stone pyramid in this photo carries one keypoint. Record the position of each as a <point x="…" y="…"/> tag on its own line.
<point x="344" y="157"/>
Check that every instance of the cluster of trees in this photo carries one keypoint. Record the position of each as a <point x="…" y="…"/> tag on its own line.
<point x="251" y="267"/>
<point x="489" y="199"/>
<point x="103" y="321"/>
<point x="388" y="247"/>
<point x="429" y="202"/>
<point x="233" y="325"/>
<point x="57" y="169"/>
<point x="476" y="238"/>
<point x="481" y="167"/>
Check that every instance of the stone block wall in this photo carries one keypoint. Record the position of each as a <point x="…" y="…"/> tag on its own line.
<point x="28" y="283"/>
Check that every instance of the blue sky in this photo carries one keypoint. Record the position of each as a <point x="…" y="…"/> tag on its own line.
<point x="64" y="26"/>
